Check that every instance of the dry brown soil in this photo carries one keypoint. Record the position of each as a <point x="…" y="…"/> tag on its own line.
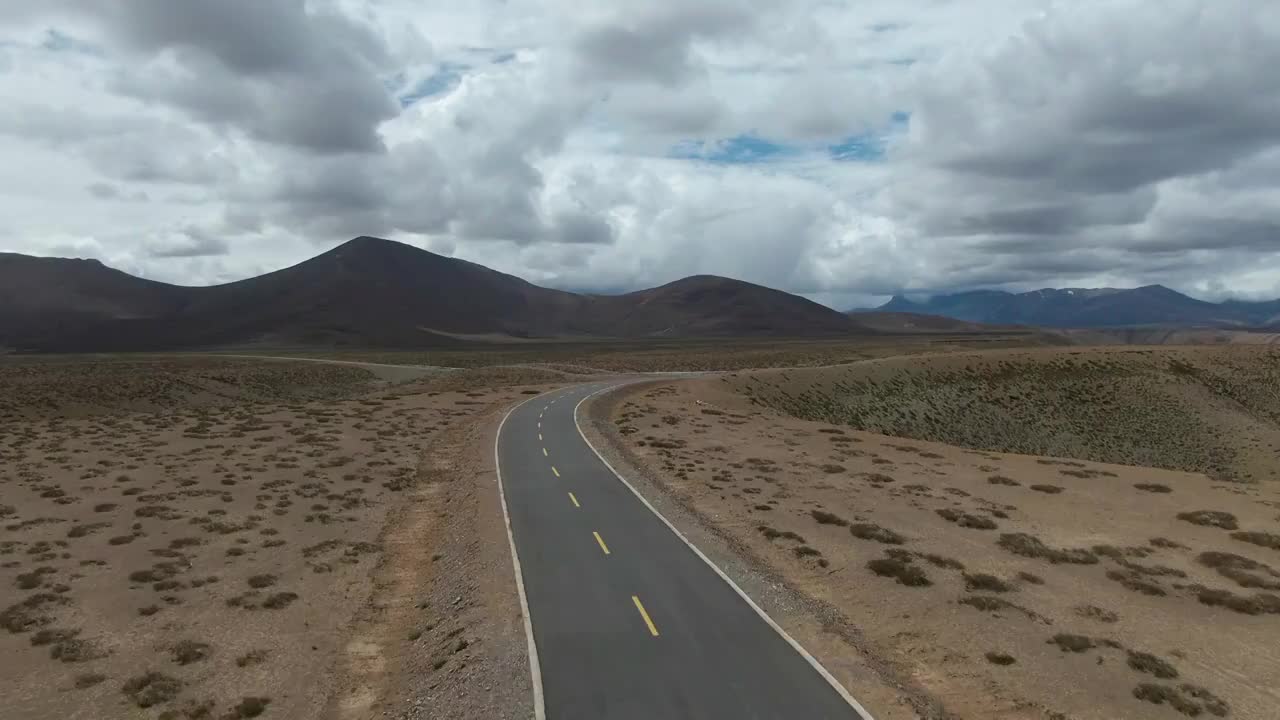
<point x="999" y="585"/>
<point x="186" y="538"/>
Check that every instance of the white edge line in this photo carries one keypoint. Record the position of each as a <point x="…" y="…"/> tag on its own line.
<point x="535" y="668"/>
<point x="840" y="689"/>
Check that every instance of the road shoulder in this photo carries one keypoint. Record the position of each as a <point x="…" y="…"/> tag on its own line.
<point x="443" y="635"/>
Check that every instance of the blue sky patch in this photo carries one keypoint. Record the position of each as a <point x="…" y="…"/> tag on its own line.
<point x="871" y="146"/>
<point x="440" y="82"/>
<point x="752" y="149"/>
<point x="738" y="150"/>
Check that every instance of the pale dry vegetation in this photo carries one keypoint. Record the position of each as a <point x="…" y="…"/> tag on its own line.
<point x="166" y="520"/>
<point x="1210" y="410"/>
<point x="990" y="580"/>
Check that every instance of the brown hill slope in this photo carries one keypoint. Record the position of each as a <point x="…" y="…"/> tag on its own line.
<point x="378" y="293"/>
<point x="57" y="295"/>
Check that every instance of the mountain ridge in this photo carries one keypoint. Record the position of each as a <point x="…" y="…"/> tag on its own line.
<point x="1149" y="305"/>
<point x="372" y="292"/>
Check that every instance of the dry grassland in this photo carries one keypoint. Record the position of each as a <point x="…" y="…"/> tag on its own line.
<point x="988" y="584"/>
<point x="699" y="355"/>
<point x="211" y="538"/>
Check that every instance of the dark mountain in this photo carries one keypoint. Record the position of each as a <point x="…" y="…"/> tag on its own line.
<point x="890" y="321"/>
<point x="1085" y="308"/>
<point x="372" y="293"/>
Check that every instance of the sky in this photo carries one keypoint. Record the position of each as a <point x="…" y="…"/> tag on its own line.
<point x="846" y="151"/>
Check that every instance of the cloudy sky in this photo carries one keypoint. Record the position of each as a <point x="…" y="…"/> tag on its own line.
<point x="843" y="150"/>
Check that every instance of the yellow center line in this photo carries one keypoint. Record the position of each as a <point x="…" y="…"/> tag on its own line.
<point x="554" y="470"/>
<point x="600" y="540"/>
<point x="653" y="630"/>
<point x="575" y="500"/>
<point x="544" y="452"/>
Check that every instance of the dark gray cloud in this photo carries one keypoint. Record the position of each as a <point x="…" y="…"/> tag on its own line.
<point x="654" y="43"/>
<point x="281" y="71"/>
<point x="1108" y="142"/>
<point x="1100" y="141"/>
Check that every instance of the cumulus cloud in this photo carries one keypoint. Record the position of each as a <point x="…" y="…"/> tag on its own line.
<point x="858" y="149"/>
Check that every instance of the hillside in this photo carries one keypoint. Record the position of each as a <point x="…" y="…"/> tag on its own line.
<point x="914" y="322"/>
<point x="373" y="293"/>
<point x="1201" y="409"/>
<point x="1091" y="308"/>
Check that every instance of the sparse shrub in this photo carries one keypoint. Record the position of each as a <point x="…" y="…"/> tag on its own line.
<point x="772" y="533"/>
<point x="88" y="680"/>
<point x="966" y="520"/>
<point x="1161" y="542"/>
<point x="31" y="580"/>
<point x="904" y="573"/>
<point x="279" y="600"/>
<point x="806" y="551"/>
<point x="253" y="657"/>
<point x="1213" y="704"/>
<point x="1093" y="612"/>
<point x="148" y="610"/>
<point x="1032" y="547"/>
<point x="1048" y="489"/>
<point x="1068" y="642"/>
<point x="1241" y="569"/>
<point x="1153" y="487"/>
<point x="942" y="561"/>
<point x="1210" y="518"/>
<point x="992" y="604"/>
<point x="986" y="583"/>
<point x="1190" y="700"/>
<point x="186" y="652"/>
<point x="262" y="581"/>
<point x="151" y="688"/>
<point x="29" y="612"/>
<point x="833" y="469"/>
<point x="1147" y="663"/>
<point x="75" y="650"/>
<point x="1030" y="577"/>
<point x="1000" y="658"/>
<point x="249" y="707"/>
<point x="871" y="531"/>
<point x="1134" y="582"/>
<point x="1002" y="480"/>
<point x="189" y="710"/>
<point x="48" y="636"/>
<point x="826" y="518"/>
<point x="1257" y="604"/>
<point x="1264" y="539"/>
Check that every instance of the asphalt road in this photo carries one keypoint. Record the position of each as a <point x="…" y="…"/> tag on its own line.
<point x="628" y="621"/>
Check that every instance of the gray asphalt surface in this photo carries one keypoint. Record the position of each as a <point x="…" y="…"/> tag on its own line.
<point x="712" y="655"/>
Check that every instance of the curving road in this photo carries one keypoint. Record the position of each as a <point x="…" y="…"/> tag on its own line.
<point x="626" y="619"/>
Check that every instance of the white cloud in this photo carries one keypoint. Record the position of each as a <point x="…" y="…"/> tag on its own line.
<point x="1049" y="143"/>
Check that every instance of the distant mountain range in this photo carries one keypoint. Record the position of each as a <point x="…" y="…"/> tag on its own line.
<point x="370" y="292"/>
<point x="1152" y="305"/>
